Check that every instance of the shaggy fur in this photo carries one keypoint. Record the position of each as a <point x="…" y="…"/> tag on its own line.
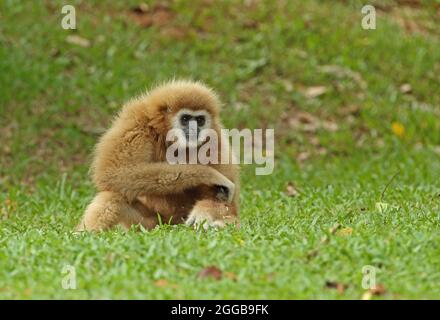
<point x="135" y="183"/>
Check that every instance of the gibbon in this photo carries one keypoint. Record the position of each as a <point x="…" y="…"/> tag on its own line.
<point x="135" y="182"/>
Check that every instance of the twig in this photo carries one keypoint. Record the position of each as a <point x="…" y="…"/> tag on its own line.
<point x="388" y="184"/>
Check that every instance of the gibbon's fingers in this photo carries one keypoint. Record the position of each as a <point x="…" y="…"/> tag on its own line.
<point x="209" y="213"/>
<point x="161" y="179"/>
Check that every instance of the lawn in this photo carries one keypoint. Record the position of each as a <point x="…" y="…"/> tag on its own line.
<point x="356" y="115"/>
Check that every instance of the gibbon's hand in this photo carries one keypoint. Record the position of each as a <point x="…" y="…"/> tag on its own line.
<point x="210" y="213"/>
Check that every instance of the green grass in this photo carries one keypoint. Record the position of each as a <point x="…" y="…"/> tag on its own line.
<point x="55" y="97"/>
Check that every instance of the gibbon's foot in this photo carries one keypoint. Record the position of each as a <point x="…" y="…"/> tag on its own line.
<point x="209" y="213"/>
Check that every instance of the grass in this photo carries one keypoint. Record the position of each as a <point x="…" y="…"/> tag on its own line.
<point x="341" y="153"/>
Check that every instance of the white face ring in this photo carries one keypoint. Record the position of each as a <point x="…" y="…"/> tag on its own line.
<point x="180" y="128"/>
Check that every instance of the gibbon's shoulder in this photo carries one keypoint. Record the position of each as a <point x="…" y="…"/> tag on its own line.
<point x="170" y="97"/>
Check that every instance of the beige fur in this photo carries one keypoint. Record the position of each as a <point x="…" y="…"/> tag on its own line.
<point x="136" y="186"/>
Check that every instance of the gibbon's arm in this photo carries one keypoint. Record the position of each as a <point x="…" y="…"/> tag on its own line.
<point x="162" y="179"/>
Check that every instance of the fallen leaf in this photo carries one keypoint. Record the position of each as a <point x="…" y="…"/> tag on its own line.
<point x="141" y="8"/>
<point x="79" y="41"/>
<point x="344" y="231"/>
<point x="336" y="285"/>
<point x="344" y="72"/>
<point x="354" y="110"/>
<point x="335" y="228"/>
<point x="230" y="276"/>
<point x="313" y="92"/>
<point x="330" y="126"/>
<point x="291" y="191"/>
<point x="378" y="290"/>
<point x="159" y="15"/>
<point x="161" y="283"/>
<point x="211" y="272"/>
<point x="405" y="88"/>
<point x="305" y="117"/>
<point x="303" y="156"/>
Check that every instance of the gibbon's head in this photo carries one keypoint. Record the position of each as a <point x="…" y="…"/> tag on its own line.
<point x="186" y="107"/>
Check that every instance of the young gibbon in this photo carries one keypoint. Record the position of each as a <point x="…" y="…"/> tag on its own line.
<point x="138" y="186"/>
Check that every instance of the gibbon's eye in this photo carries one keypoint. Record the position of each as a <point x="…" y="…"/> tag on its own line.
<point x="200" y="121"/>
<point x="184" y="119"/>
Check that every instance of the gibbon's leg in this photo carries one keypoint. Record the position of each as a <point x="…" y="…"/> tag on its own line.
<point x="161" y="179"/>
<point x="132" y="216"/>
<point x="211" y="213"/>
<point x="106" y="210"/>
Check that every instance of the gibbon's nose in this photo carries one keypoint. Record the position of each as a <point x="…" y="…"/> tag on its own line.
<point x="192" y="129"/>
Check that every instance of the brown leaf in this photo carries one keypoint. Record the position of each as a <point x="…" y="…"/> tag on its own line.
<point x="351" y="110"/>
<point x="141" y="8"/>
<point x="303" y="156"/>
<point x="161" y="283"/>
<point x="231" y="276"/>
<point x="334" y="228"/>
<point x="405" y="88"/>
<point x="291" y="191"/>
<point x="379" y="290"/>
<point x="336" y="285"/>
<point x="79" y="41"/>
<point x="211" y="272"/>
<point x="304" y="117"/>
<point x="313" y="92"/>
<point x="344" y="231"/>
<point x="160" y="15"/>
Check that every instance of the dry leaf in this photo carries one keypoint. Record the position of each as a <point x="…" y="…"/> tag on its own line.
<point x="303" y="156"/>
<point x="330" y="126"/>
<point x="342" y="72"/>
<point x="159" y="15"/>
<point x="161" y="283"/>
<point x="405" y="88"/>
<point x="291" y="191"/>
<point x="354" y="110"/>
<point x="344" y="231"/>
<point x="336" y="285"/>
<point x="211" y="272"/>
<point x="313" y="92"/>
<point x="141" y="8"/>
<point x="335" y="228"/>
<point x="79" y="41"/>
<point x="304" y="117"/>
<point x="378" y="290"/>
<point x="230" y="276"/>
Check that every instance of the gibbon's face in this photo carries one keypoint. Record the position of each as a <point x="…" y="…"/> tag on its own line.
<point x="189" y="125"/>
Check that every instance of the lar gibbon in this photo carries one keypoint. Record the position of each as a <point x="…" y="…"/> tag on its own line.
<point x="138" y="186"/>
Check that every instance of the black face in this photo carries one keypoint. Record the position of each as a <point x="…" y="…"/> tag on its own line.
<point x="186" y="118"/>
<point x="195" y="121"/>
